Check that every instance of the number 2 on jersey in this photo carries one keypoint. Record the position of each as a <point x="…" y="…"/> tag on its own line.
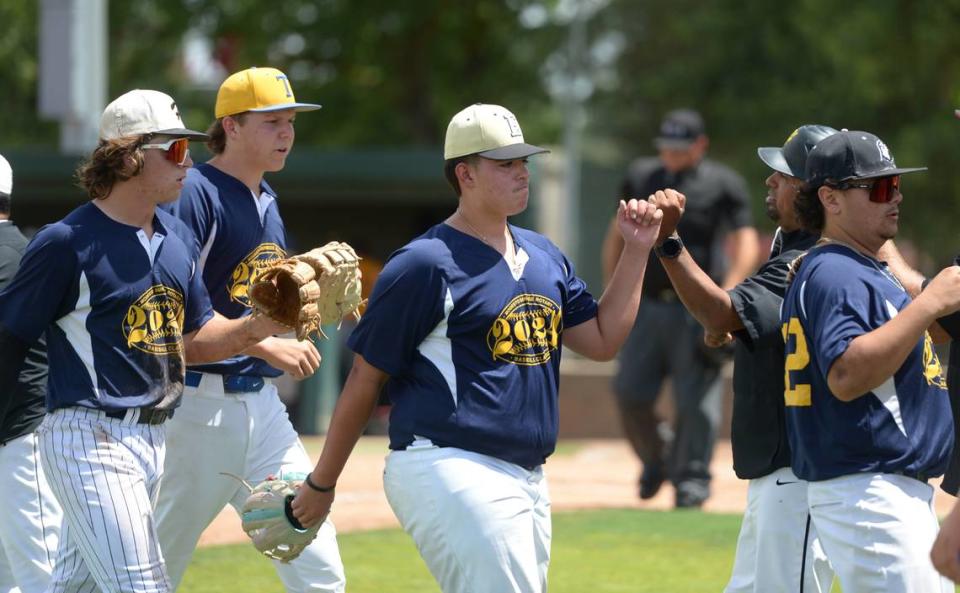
<point x="795" y="394"/>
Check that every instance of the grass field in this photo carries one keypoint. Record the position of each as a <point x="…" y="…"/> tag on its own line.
<point x="598" y="551"/>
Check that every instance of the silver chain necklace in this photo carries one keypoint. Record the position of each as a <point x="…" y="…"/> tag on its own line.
<point x="513" y="262"/>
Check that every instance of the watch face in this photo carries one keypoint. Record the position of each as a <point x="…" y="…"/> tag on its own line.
<point x="671" y="247"/>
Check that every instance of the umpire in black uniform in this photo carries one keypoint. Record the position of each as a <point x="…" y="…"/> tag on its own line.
<point x="31" y="530"/>
<point x="666" y="341"/>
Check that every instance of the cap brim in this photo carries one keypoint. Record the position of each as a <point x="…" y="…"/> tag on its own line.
<point x="514" y="151"/>
<point x="889" y="173"/>
<point x="285" y="106"/>
<point x="672" y="143"/>
<point x="183" y="133"/>
<point x="772" y="156"/>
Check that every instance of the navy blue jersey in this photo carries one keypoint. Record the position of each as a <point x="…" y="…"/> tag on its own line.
<point x="472" y="351"/>
<point x="115" y="306"/>
<point x="902" y="426"/>
<point x="235" y="244"/>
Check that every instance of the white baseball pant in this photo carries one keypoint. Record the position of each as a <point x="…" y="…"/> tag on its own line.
<point x="249" y="435"/>
<point x="877" y="531"/>
<point x="104" y="472"/>
<point x="481" y="524"/>
<point x="778" y="550"/>
<point x="30" y="531"/>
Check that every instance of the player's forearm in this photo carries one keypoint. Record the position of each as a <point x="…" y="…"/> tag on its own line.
<point x="743" y="260"/>
<point x="911" y="279"/>
<point x="610" y="253"/>
<point x="618" y="306"/>
<point x="708" y="303"/>
<point x="874" y="357"/>
<point x="357" y="402"/>
<point x="222" y="338"/>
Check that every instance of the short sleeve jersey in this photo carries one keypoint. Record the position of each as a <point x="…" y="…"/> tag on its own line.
<point x="717" y="201"/>
<point x="904" y="425"/>
<point x="758" y="434"/>
<point x="235" y="244"/>
<point x="473" y="352"/>
<point x="114" y="305"/>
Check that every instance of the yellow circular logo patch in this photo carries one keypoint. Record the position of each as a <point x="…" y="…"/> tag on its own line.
<point x="154" y="323"/>
<point x="248" y="270"/>
<point x="527" y="331"/>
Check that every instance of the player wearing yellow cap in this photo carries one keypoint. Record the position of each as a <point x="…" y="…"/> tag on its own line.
<point x="232" y="419"/>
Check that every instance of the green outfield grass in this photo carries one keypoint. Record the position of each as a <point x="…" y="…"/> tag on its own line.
<point x="609" y="551"/>
<point x="598" y="551"/>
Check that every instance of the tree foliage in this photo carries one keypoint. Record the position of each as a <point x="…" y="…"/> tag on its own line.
<point x="392" y="74"/>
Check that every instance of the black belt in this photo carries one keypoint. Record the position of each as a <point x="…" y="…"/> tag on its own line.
<point x="231" y="383"/>
<point x="146" y="416"/>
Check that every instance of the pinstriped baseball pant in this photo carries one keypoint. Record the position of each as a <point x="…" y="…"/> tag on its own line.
<point x="105" y="473"/>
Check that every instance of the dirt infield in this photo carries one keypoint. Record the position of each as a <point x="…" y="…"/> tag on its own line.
<point x="586" y="474"/>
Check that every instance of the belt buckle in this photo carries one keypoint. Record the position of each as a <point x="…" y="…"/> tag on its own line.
<point x="241" y="384"/>
<point x="153" y="416"/>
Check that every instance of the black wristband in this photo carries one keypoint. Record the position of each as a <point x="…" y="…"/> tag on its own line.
<point x="313" y="486"/>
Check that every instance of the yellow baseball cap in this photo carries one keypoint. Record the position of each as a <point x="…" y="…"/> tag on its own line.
<point x="257" y="89"/>
<point x="490" y="131"/>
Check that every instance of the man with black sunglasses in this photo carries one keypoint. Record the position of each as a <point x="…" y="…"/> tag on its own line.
<point x="867" y="410"/>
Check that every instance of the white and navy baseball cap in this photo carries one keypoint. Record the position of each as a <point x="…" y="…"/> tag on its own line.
<point x="6" y="177"/>
<point x="848" y="156"/>
<point x="140" y="112"/>
<point x="490" y="131"/>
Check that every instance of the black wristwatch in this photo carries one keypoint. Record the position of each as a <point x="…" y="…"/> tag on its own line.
<point x="670" y="248"/>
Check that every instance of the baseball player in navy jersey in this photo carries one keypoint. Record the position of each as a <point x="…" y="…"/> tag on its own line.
<point x="30" y="531"/>
<point x="233" y="405"/>
<point x="115" y="288"/>
<point x="867" y="409"/>
<point x="472" y="369"/>
<point x="777" y="551"/>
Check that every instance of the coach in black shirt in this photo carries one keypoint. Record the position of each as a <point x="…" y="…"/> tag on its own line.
<point x="666" y="341"/>
<point x="31" y="529"/>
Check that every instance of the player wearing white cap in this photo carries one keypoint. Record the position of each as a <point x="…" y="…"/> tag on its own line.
<point x="464" y="330"/>
<point x="31" y="530"/>
<point x="114" y="287"/>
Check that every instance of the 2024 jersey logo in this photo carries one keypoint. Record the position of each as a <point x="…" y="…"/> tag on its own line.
<point x="527" y="331"/>
<point x="250" y="268"/>
<point x="154" y="322"/>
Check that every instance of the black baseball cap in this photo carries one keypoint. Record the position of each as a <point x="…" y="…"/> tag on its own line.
<point x="846" y="156"/>
<point x="791" y="159"/>
<point x="679" y="129"/>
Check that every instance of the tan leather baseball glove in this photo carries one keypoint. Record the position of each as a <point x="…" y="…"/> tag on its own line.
<point x="308" y="290"/>
<point x="268" y="520"/>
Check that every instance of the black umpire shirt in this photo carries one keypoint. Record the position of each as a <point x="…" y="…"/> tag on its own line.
<point x="21" y="410"/>
<point x="758" y="433"/>
<point x="717" y="202"/>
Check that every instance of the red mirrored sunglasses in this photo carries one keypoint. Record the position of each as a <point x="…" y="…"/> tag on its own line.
<point x="881" y="190"/>
<point x="176" y="150"/>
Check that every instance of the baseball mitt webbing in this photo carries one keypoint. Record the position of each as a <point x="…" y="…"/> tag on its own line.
<point x="308" y="290"/>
